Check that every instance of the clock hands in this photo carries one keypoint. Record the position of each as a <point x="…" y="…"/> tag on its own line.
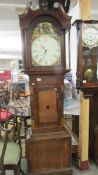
<point x="45" y="50"/>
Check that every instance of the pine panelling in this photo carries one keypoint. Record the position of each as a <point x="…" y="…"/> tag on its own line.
<point x="85" y="6"/>
<point x="84" y="128"/>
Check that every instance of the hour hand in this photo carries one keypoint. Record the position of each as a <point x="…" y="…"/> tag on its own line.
<point x="45" y="53"/>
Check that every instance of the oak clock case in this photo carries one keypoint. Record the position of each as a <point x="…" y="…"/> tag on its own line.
<point x="46" y="55"/>
<point x="43" y="34"/>
<point x="87" y="76"/>
<point x="87" y="68"/>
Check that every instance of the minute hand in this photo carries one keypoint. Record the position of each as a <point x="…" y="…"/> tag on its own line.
<point x="45" y="53"/>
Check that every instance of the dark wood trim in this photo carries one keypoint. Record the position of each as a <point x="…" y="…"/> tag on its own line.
<point x="66" y="171"/>
<point x="84" y="165"/>
<point x="46" y="72"/>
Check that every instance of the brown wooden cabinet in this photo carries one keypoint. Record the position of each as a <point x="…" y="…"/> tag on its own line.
<point x="43" y="33"/>
<point x="87" y="64"/>
<point x="87" y="75"/>
<point x="93" y="126"/>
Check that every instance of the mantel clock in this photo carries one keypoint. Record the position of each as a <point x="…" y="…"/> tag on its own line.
<point x="44" y="41"/>
<point x="87" y="68"/>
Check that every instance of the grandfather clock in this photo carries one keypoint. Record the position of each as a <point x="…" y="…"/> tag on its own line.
<point x="44" y="41"/>
<point x="87" y="75"/>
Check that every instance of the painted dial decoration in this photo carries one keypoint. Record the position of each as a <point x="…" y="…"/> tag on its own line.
<point x="45" y="46"/>
<point x="90" y="36"/>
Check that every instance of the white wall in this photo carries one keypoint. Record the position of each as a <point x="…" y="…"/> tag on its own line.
<point x="75" y="13"/>
<point x="10" y="36"/>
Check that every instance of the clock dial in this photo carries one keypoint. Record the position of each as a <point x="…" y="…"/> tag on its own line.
<point x="90" y="36"/>
<point x="45" y="45"/>
<point x="46" y="51"/>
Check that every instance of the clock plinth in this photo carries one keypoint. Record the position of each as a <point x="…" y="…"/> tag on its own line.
<point x="50" y="151"/>
<point x="49" y="146"/>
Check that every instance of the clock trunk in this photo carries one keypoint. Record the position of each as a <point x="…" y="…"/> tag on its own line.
<point x="87" y="76"/>
<point x="47" y="102"/>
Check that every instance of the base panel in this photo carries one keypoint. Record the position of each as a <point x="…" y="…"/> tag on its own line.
<point x="49" y="151"/>
<point x="66" y="171"/>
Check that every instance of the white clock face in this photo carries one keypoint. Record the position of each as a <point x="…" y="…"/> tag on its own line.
<point x="45" y="51"/>
<point x="90" y="36"/>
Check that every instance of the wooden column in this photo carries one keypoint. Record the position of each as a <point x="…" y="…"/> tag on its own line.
<point x="84" y="133"/>
<point x="85" y="9"/>
<point x="84" y="111"/>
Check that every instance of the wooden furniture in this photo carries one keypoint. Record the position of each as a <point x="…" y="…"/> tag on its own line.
<point x="49" y="148"/>
<point x="20" y="106"/>
<point x="75" y="124"/>
<point x="51" y="2"/>
<point x="71" y="116"/>
<point x="10" y="149"/>
<point x="44" y="35"/>
<point x="87" y="74"/>
<point x="87" y="33"/>
<point x="95" y="145"/>
<point x="93" y="149"/>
